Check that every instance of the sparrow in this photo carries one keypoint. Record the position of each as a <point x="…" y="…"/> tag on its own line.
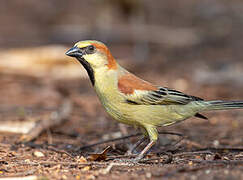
<point x="133" y="101"/>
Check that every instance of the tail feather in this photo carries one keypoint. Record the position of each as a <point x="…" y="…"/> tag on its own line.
<point x="221" y="105"/>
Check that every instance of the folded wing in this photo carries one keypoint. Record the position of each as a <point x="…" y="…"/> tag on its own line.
<point x="139" y="92"/>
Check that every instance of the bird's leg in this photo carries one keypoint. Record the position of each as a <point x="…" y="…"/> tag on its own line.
<point x="144" y="151"/>
<point x="140" y="141"/>
<point x="151" y="131"/>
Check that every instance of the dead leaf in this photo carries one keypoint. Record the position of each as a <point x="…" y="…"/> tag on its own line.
<point x="99" y="156"/>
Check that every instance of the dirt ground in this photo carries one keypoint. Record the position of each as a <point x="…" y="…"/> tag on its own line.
<point x="191" y="46"/>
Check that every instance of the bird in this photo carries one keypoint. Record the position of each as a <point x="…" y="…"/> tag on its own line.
<point x="134" y="101"/>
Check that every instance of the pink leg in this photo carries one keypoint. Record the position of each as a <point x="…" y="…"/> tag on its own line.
<point x="145" y="151"/>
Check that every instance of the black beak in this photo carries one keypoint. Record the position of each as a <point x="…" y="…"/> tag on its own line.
<point x="74" y="52"/>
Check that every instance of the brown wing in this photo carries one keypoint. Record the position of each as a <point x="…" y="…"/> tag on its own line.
<point x="139" y="92"/>
<point x="161" y="96"/>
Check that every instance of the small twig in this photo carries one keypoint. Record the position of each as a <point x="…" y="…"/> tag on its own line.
<point x="109" y="141"/>
<point x="123" y="138"/>
<point x="192" y="153"/>
<point x="53" y="163"/>
<point x="166" y="161"/>
<point x="56" y="117"/>
<point x="222" y="149"/>
<point x="120" y="157"/>
<point x="209" y="151"/>
<point x="227" y="162"/>
<point x="59" y="151"/>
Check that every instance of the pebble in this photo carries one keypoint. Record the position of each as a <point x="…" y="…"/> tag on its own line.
<point x="38" y="154"/>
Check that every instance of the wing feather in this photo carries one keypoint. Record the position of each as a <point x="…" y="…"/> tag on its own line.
<point x="161" y="96"/>
<point x="138" y="91"/>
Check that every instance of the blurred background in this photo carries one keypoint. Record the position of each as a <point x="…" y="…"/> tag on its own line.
<point x="192" y="46"/>
<point x="203" y="36"/>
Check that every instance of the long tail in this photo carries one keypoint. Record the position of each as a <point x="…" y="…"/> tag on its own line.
<point x="221" y="105"/>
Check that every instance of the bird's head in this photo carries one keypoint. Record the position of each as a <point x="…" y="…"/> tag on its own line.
<point x="93" y="54"/>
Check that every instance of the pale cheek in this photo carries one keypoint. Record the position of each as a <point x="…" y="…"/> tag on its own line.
<point x="95" y="61"/>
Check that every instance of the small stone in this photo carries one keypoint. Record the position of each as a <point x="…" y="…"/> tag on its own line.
<point x="90" y="177"/>
<point x="86" y="168"/>
<point x="216" y="143"/>
<point x="209" y="157"/>
<point x="207" y="171"/>
<point x="64" y="176"/>
<point x="27" y="160"/>
<point x="38" y="154"/>
<point x="190" y="163"/>
<point x="148" y="175"/>
<point x="198" y="157"/>
<point x="226" y="171"/>
<point x="239" y="155"/>
<point x="226" y="158"/>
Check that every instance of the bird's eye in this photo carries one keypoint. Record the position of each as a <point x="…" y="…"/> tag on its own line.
<point x="90" y="49"/>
